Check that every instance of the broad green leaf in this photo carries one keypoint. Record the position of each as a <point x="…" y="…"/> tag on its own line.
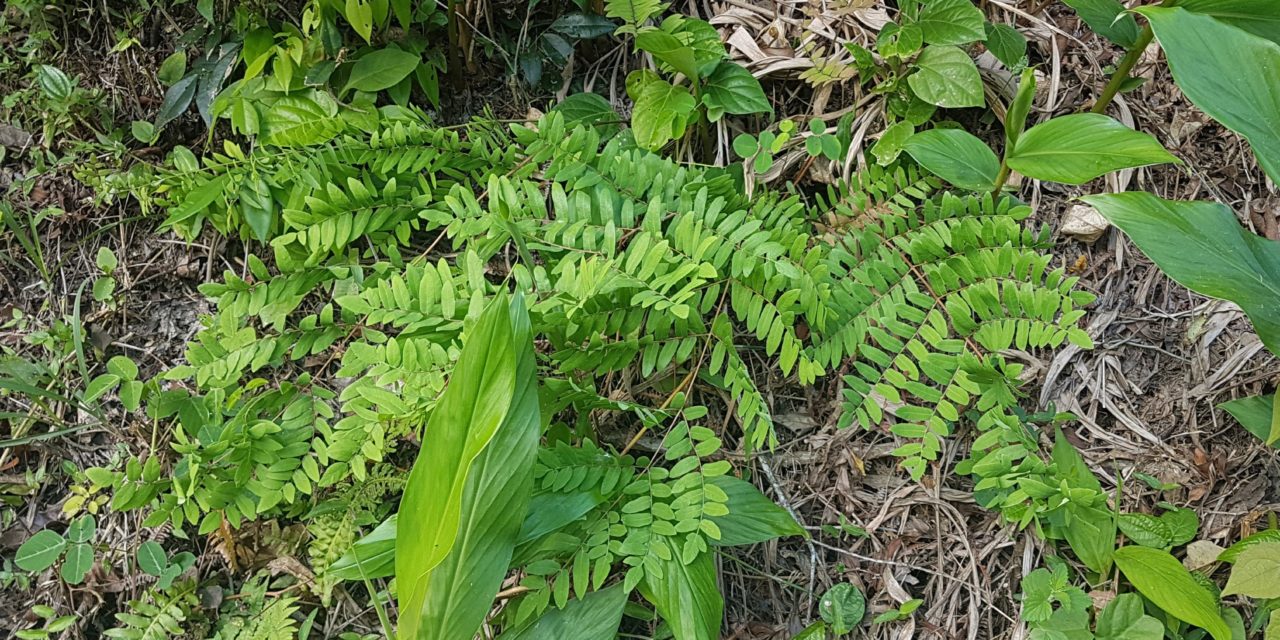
<point x="1064" y="624"/>
<point x="54" y="83"/>
<point x="102" y="383"/>
<point x="173" y="68"/>
<point x="78" y="563"/>
<point x="1092" y="536"/>
<point x="947" y="77"/>
<point x="1232" y="553"/>
<point x="151" y="558"/>
<point x="1228" y="73"/>
<point x="752" y="517"/>
<point x="951" y="22"/>
<point x="296" y="121"/>
<point x="1202" y="247"/>
<point x="40" y="551"/>
<point x="701" y="37"/>
<point x="1124" y="619"/>
<point x="1273" y="626"/>
<point x="890" y="145"/>
<point x="843" y="606"/>
<point x="632" y="12"/>
<point x="125" y="368"/>
<point x="176" y="99"/>
<point x="686" y="595"/>
<point x="494" y="376"/>
<point x="1107" y="17"/>
<point x="1163" y="580"/>
<point x="955" y="156"/>
<point x="732" y="89"/>
<point x="1259" y="17"/>
<point x="661" y="110"/>
<point x="257" y="206"/>
<point x="587" y="109"/>
<point x="1258" y="415"/>
<point x="596" y="616"/>
<point x="1077" y="148"/>
<point x="360" y="14"/>
<point x="1256" y="573"/>
<point x="82" y="529"/>
<point x="552" y="511"/>
<point x="583" y="26"/>
<point x="1007" y="44"/>
<point x="667" y="49"/>
<point x="381" y="69"/>
<point x="1181" y="523"/>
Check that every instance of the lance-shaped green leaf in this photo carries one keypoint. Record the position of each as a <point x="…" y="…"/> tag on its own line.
<point x="458" y="593"/>
<point x="1259" y="415"/>
<point x="1077" y="148"/>
<point x="1107" y="17"/>
<point x="956" y="156"/>
<point x="1164" y="581"/>
<point x="595" y="616"/>
<point x="1259" y="17"/>
<point x="686" y="596"/>
<point x="752" y="517"/>
<point x="471" y="410"/>
<point x="1229" y="73"/>
<point x="1204" y="248"/>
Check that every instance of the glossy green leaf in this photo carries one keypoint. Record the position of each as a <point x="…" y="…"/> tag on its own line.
<point x="381" y="69"/>
<point x="297" y="121"/>
<point x="752" y="517"/>
<point x="686" y="596"/>
<point x="1146" y="530"/>
<point x="1007" y="44"/>
<point x="372" y="556"/>
<point x="593" y="617"/>
<point x="951" y="22"/>
<point x="1163" y="580"/>
<point x="78" y="563"/>
<point x="1259" y="17"/>
<point x="177" y="98"/>
<point x="701" y="37"/>
<point x="661" y="112"/>
<point x="1228" y="73"/>
<point x="955" y="156"/>
<point x="1077" y="148"/>
<point x="468" y="492"/>
<point x="667" y="49"/>
<point x="1232" y="553"/>
<point x="843" y="606"/>
<point x="1107" y="17"/>
<point x="947" y="77"/>
<point x="1125" y="619"/>
<point x="40" y="551"/>
<point x="732" y="89"/>
<point x="151" y="558"/>
<point x="360" y="14"/>
<point x="1256" y="574"/>
<point x="583" y="26"/>
<point x="54" y="83"/>
<point x="890" y="145"/>
<point x="1258" y="415"/>
<point x="1202" y="247"/>
<point x="173" y="68"/>
<point x="587" y="109"/>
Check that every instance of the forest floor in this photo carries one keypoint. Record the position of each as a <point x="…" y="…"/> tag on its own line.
<point x="1144" y="396"/>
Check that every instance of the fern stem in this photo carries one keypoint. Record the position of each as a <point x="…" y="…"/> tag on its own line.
<point x="1122" y="71"/>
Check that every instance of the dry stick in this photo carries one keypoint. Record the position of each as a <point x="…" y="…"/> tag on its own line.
<point x="1122" y="71"/>
<point x="813" y="551"/>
